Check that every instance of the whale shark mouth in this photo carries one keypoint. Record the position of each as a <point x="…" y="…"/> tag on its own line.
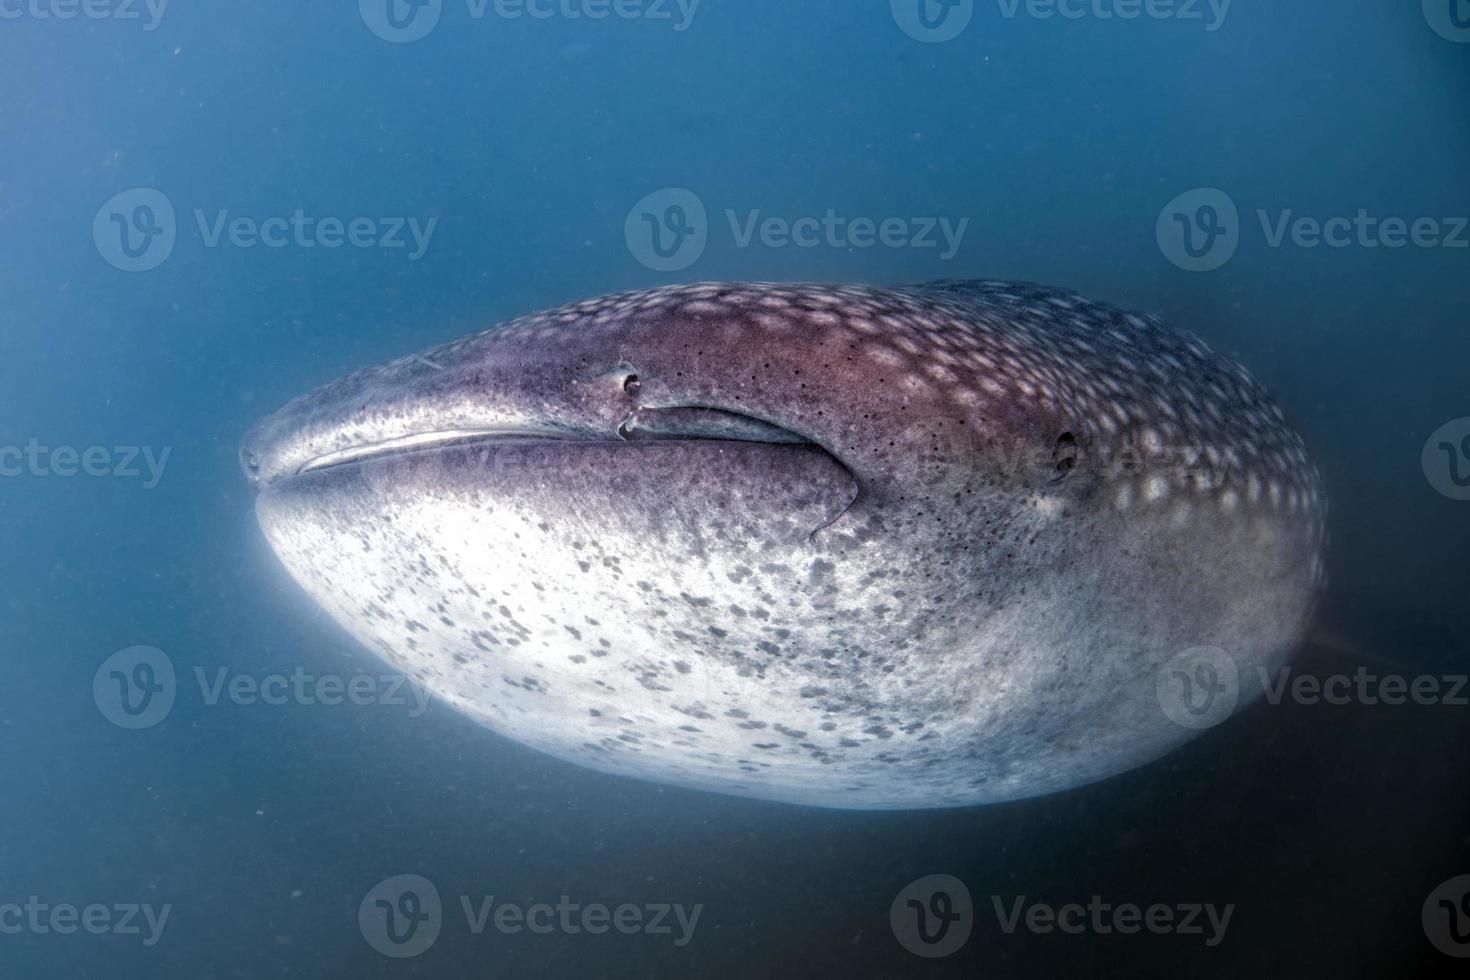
<point x="682" y="424"/>
<point x="419" y="442"/>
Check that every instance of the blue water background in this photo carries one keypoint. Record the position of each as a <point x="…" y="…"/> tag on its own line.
<point x="529" y="141"/>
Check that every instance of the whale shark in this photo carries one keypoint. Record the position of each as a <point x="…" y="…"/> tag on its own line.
<point x="840" y="546"/>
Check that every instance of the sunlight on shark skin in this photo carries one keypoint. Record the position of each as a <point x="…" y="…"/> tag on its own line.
<point x="839" y="546"/>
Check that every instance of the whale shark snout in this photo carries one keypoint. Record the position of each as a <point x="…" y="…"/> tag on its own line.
<point x="842" y="546"/>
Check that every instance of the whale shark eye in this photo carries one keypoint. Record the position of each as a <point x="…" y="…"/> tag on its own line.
<point x="1064" y="456"/>
<point x="631" y="384"/>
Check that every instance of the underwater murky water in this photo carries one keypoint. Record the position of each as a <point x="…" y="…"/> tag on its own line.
<point x="207" y="210"/>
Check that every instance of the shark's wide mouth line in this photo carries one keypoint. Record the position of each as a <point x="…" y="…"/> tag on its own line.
<point x="415" y="442"/>
<point x="682" y="424"/>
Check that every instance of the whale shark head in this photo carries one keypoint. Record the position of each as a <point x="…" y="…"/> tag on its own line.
<point x="844" y="546"/>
